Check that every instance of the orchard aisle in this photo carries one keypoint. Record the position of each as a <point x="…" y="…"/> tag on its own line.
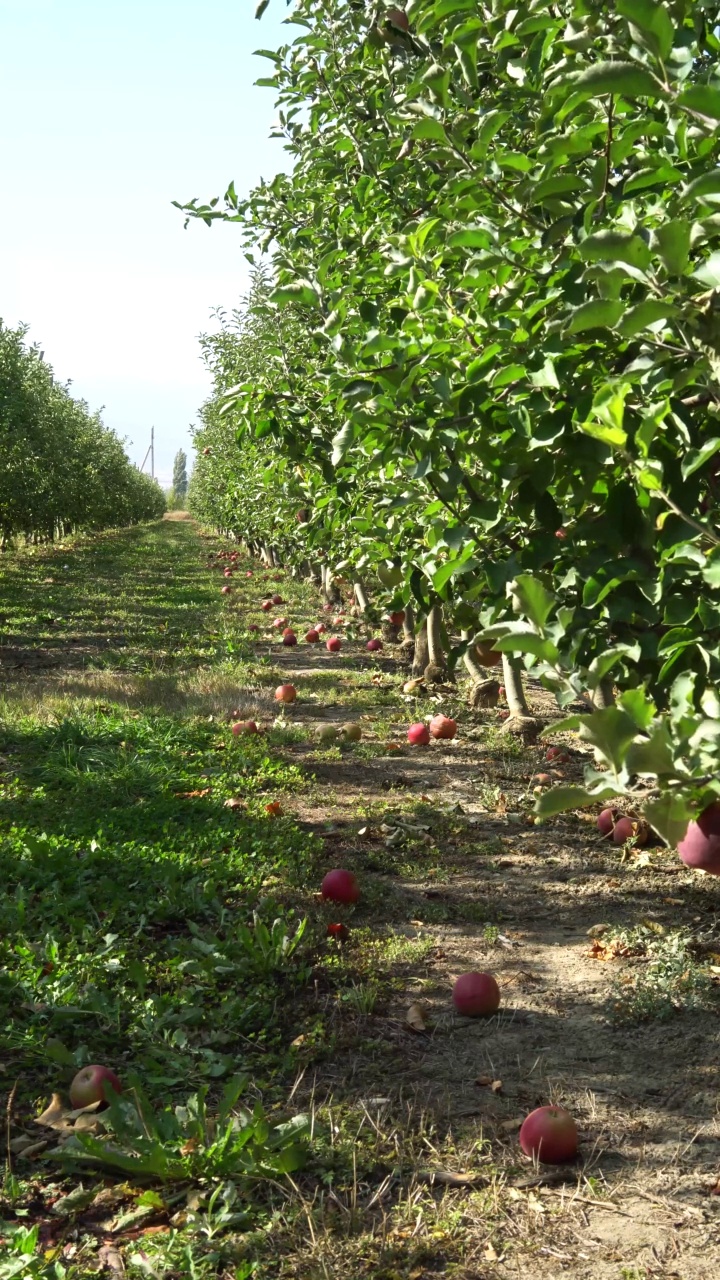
<point x="138" y="835"/>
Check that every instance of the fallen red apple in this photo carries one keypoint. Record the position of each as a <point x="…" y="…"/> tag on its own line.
<point x="280" y="624"/>
<point x="338" y="931"/>
<point x="89" y="1086"/>
<point x="545" y="779"/>
<point x="557" y="754"/>
<point x="266" y="606"/>
<point x="700" y="846"/>
<point x="339" y="621"/>
<point x="334" y="644"/>
<point x="626" y="828"/>
<point x="227" y="573"/>
<point x="285" y="693"/>
<point x="476" y="995"/>
<point x="289" y="638"/>
<point x="340" y="886"/>
<point x="225" y="591"/>
<point x="605" y="822"/>
<point x="327" y="607"/>
<point x="244" y="726"/>
<point x="442" y="726"/>
<point x="374" y="646"/>
<point x="277" y="599"/>
<point x="549" y="1134"/>
<point x="253" y="627"/>
<point x="249" y="573"/>
<point x="397" y="618"/>
<point x="418" y="735"/>
<point x="320" y="628"/>
<point x="312" y="636"/>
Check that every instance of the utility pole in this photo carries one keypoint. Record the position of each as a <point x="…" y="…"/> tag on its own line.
<point x="152" y="452"/>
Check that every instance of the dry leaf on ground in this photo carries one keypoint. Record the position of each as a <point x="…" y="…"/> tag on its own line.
<point x="416" y="1017"/>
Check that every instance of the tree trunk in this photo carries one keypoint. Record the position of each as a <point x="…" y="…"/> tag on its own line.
<point x="361" y="596"/>
<point x="471" y="661"/>
<point x="436" y="669"/>
<point x="422" y="652"/>
<point x="514" y="692"/>
<point x="603" y="695"/>
<point x="331" y="595"/>
<point x="409" y="624"/>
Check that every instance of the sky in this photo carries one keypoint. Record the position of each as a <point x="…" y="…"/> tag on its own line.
<point x="109" y="111"/>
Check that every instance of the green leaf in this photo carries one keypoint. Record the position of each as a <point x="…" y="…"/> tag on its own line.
<point x="610" y="731"/>
<point x="559" y="799"/>
<point x="341" y="443"/>
<point x="669" y="815"/>
<point x="531" y="598"/>
<point x="643" y="315"/>
<point x="615" y="246"/>
<point x="709" y="272"/>
<point x="673" y="245"/>
<point x="599" y="313"/>
<point x="300" y="291"/>
<point x="627" y="78"/>
<point x="707" y="184"/>
<point x="653" y="20"/>
<point x="703" y="99"/>
<point x="653" y="758"/>
<point x="639" y="705"/>
<point x="528" y="642"/>
<point x="696" y="458"/>
<point x="261" y="8"/>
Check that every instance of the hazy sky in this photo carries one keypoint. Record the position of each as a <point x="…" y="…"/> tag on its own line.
<point x="109" y="111"/>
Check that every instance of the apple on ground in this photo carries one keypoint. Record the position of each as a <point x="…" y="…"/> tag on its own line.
<point x="545" y="779"/>
<point x="244" y="726"/>
<point x="280" y="624"/>
<point x="289" y="638"/>
<point x="476" y="995"/>
<point x="327" y="607"/>
<point x="339" y="932"/>
<point x="266" y="606"/>
<point x="253" y="627"/>
<point x="340" y="886"/>
<point x="225" y="591"/>
<point x="557" y="754"/>
<point x="334" y="644"/>
<point x="442" y="726"/>
<point x="605" y="822"/>
<point x="320" y="628"/>
<point x="277" y="599"/>
<point x="249" y="573"/>
<point x="327" y="734"/>
<point x="312" y="636"/>
<point x="285" y="693"/>
<point x="700" y="846"/>
<point x="397" y="617"/>
<point x="352" y="732"/>
<point x="418" y="735"/>
<point x="374" y="645"/>
<point x="625" y="828"/>
<point x="339" y="621"/>
<point x="549" y="1134"/>
<point x="89" y="1086"/>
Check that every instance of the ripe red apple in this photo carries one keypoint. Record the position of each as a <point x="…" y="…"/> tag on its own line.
<point x="625" y="828"/>
<point x="549" y="1134"/>
<point x="397" y="618"/>
<point x="338" y="931"/>
<point x="700" y="846"/>
<point x="249" y="573"/>
<point x="280" y="624"/>
<point x="312" y="636"/>
<point x="418" y="735"/>
<point x="89" y="1086"/>
<point x="244" y="726"/>
<point x="557" y="754"/>
<point x="476" y="995"/>
<point x="277" y="599"/>
<point x="334" y="644"/>
<point x="340" y="886"/>
<point x="327" y="607"/>
<point x="285" y="693"/>
<point x="253" y="627"/>
<point x="266" y="606"/>
<point x="320" y="628"/>
<point x="560" y="534"/>
<point x="442" y="726"/>
<point x="605" y="822"/>
<point x="544" y="779"/>
<point x="225" y="591"/>
<point x="374" y="646"/>
<point x="227" y="573"/>
<point x="289" y="638"/>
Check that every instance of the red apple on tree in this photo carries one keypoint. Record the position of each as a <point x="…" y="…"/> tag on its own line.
<point x="89" y="1086"/>
<point x="340" y="886"/>
<point x="476" y="995"/>
<point x="549" y="1134"/>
